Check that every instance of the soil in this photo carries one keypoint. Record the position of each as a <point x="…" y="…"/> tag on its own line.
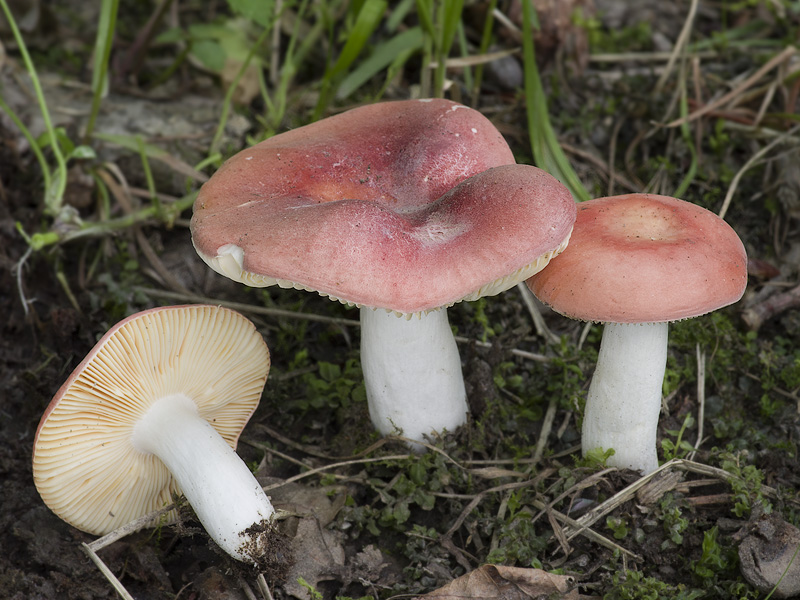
<point x="65" y="297"/>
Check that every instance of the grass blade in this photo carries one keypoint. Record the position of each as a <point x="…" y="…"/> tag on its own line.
<point x="368" y="19"/>
<point x="547" y="153"/>
<point x="385" y="54"/>
<point x="102" y="52"/>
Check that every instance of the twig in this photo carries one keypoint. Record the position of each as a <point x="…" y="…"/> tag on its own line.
<point x="323" y="468"/>
<point x="601" y="166"/>
<point x="768" y="66"/>
<point x="588" y="482"/>
<point x="779" y="391"/>
<point x="547" y="425"/>
<point x="129" y="528"/>
<point x="589" y="534"/>
<point x="755" y="316"/>
<point x="517" y="485"/>
<point x="275" y="46"/>
<point x="680" y="45"/>
<point x="536" y="316"/>
<point x="118" y="185"/>
<point x="619" y="57"/>
<point x="612" y="150"/>
<point x="460" y="62"/>
<point x="701" y="398"/>
<point x="248" y="591"/>
<point x="278" y="312"/>
<point x="112" y="579"/>
<point x="92" y="548"/>
<point x="242" y="307"/>
<point x="750" y="163"/>
<point x="709" y="471"/>
<point x="601" y="510"/>
<point x="263" y="587"/>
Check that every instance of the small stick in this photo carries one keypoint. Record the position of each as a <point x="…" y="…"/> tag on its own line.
<point x="129" y="528"/>
<point x="701" y="398"/>
<point x="752" y="161"/>
<point x="766" y="68"/>
<point x="263" y="587"/>
<point x="755" y="316"/>
<point x="279" y="312"/>
<point x="547" y="426"/>
<point x="112" y="579"/>
<point x="536" y="316"/>
<point x="709" y="500"/>
<point x="680" y="46"/>
<point x="589" y="534"/>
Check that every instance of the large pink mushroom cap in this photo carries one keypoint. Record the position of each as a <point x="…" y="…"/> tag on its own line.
<point x="407" y="206"/>
<point x="640" y="258"/>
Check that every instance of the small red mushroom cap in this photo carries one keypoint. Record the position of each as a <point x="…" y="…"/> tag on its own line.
<point x="407" y="206"/>
<point x="640" y="258"/>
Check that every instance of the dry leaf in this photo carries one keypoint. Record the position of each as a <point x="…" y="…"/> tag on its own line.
<point x="247" y="88"/>
<point x="768" y="556"/>
<point x="507" y="583"/>
<point x="319" y="556"/>
<point x="318" y="551"/>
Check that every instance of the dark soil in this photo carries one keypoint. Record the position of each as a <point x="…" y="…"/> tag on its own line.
<point x="361" y="540"/>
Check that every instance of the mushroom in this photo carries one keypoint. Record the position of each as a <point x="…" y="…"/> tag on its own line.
<point x="155" y="410"/>
<point x="400" y="208"/>
<point x="636" y="262"/>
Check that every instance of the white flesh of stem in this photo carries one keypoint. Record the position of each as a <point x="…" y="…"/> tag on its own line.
<point x="223" y="492"/>
<point x="624" y="398"/>
<point x="412" y="373"/>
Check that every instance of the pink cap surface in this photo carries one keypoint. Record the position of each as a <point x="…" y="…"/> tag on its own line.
<point x="407" y="206"/>
<point x="641" y="258"/>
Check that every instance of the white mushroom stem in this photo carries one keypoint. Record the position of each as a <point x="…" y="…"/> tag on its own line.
<point x="412" y="373"/>
<point x="223" y="492"/>
<point x="624" y="398"/>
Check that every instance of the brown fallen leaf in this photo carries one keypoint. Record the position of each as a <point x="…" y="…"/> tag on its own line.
<point x="507" y="583"/>
<point x="769" y="556"/>
<point x="318" y="552"/>
<point x="319" y="556"/>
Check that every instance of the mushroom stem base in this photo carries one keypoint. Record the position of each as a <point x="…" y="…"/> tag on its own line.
<point x="624" y="398"/>
<point x="223" y="492"/>
<point x="412" y="373"/>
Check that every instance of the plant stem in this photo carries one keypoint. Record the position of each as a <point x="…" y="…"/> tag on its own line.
<point x="102" y="51"/>
<point x="53" y="197"/>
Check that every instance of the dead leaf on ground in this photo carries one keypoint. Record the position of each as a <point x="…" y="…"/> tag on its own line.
<point x="319" y="556"/>
<point x="507" y="583"/>
<point x="768" y="556"/>
<point x="318" y="552"/>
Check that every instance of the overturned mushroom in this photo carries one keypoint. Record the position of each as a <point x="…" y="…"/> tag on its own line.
<point x="155" y="410"/>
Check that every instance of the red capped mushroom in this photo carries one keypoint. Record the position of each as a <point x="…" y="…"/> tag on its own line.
<point x="636" y="262"/>
<point x="400" y="208"/>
